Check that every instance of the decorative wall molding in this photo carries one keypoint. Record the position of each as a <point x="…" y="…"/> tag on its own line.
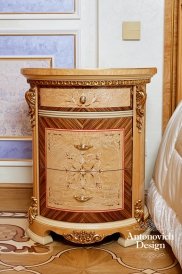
<point x="172" y="58"/>
<point x="61" y="46"/>
<point x="14" y="122"/>
<point x="15" y="148"/>
<point x="15" y="197"/>
<point x="16" y="163"/>
<point x="15" y="171"/>
<point x="65" y="15"/>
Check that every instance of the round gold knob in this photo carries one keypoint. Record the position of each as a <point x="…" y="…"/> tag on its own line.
<point x="83" y="99"/>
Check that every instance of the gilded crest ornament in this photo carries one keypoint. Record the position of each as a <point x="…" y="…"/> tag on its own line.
<point x="141" y="97"/>
<point x="83" y="237"/>
<point x="30" y="98"/>
<point x="33" y="210"/>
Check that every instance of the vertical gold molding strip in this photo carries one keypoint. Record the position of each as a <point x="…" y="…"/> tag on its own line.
<point x="170" y="59"/>
<point x="179" y="55"/>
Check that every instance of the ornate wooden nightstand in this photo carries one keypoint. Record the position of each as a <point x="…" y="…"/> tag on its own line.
<point x="88" y="152"/>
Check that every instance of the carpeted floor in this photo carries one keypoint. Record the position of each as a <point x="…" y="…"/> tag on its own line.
<point x="19" y="254"/>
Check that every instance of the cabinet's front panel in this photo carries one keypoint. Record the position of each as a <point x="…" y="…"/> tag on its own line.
<point x="85" y="168"/>
<point x="84" y="98"/>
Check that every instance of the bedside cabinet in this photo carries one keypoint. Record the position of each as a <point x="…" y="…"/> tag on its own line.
<point x="88" y="153"/>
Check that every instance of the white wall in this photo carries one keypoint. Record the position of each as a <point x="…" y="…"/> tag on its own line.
<point x="148" y="52"/>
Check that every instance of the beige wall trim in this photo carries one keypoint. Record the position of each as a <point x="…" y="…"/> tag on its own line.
<point x="15" y="197"/>
<point x="171" y="58"/>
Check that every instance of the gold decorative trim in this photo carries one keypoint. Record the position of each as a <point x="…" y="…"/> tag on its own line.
<point x="139" y="212"/>
<point x="83" y="237"/>
<point x="75" y="83"/>
<point x="33" y="210"/>
<point x="141" y="97"/>
<point x="30" y="98"/>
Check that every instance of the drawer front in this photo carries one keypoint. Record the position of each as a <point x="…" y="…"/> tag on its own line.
<point x="84" y="150"/>
<point x="90" y="191"/>
<point x="85" y="98"/>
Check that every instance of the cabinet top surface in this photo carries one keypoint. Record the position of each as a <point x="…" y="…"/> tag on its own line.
<point x="44" y="73"/>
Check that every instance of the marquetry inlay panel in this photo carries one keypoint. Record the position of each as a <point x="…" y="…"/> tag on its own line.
<point x="93" y="192"/>
<point x="84" y="98"/>
<point x="87" y="150"/>
<point x="85" y="169"/>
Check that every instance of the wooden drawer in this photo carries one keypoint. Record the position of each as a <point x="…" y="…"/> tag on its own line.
<point x="89" y="191"/>
<point x="85" y="97"/>
<point x="84" y="150"/>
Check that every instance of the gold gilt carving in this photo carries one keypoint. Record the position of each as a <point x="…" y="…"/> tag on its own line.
<point x="77" y="83"/>
<point x="30" y="98"/>
<point x="83" y="147"/>
<point x="82" y="198"/>
<point x="138" y="212"/>
<point x="141" y="97"/>
<point x="83" y="237"/>
<point x="33" y="210"/>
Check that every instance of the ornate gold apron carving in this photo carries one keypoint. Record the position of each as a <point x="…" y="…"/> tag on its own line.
<point x="83" y="237"/>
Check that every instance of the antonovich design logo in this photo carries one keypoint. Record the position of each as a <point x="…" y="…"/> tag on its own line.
<point x="153" y="244"/>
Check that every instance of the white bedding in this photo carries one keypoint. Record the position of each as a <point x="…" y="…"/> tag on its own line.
<point x="165" y="220"/>
<point x="165" y="191"/>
